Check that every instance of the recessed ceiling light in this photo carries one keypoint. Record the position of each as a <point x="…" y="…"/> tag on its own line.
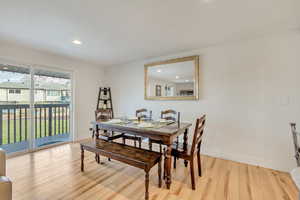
<point x="207" y="1"/>
<point x="78" y="42"/>
<point x="177" y="77"/>
<point x="5" y="68"/>
<point x="158" y="70"/>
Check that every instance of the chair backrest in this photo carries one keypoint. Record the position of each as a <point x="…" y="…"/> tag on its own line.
<point x="103" y="114"/>
<point x="296" y="144"/>
<point x="170" y="115"/>
<point x="142" y="113"/>
<point x="198" y="134"/>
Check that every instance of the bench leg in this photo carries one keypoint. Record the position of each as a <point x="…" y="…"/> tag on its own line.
<point x="82" y="159"/>
<point x="159" y="173"/>
<point x="147" y="185"/>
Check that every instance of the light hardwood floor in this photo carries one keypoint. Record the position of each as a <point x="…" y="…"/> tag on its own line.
<point x="55" y="174"/>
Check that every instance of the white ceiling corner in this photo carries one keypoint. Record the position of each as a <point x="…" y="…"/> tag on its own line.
<point x="119" y="31"/>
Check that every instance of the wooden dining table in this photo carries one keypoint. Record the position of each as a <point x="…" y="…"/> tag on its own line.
<point x="166" y="133"/>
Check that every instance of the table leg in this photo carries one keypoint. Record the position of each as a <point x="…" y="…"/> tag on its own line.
<point x="82" y="158"/>
<point x="97" y="156"/>
<point x="185" y="144"/>
<point x="168" y="161"/>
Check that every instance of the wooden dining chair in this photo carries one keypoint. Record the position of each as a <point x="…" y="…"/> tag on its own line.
<point x="295" y="173"/>
<point x="296" y="143"/>
<point x="167" y="115"/>
<point x="188" y="152"/>
<point x="141" y="114"/>
<point x="104" y="115"/>
<point x="170" y="115"/>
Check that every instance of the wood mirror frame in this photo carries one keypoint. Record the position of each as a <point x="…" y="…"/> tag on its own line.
<point x="176" y="60"/>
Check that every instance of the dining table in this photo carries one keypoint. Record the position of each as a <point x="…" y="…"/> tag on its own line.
<point x="165" y="132"/>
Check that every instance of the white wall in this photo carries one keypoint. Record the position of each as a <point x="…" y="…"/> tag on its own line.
<point x="249" y="90"/>
<point x="87" y="79"/>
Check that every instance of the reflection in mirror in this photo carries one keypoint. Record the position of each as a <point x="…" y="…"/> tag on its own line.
<point x="173" y="79"/>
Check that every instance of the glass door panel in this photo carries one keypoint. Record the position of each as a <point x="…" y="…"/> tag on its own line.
<point x="15" y="113"/>
<point x="52" y="98"/>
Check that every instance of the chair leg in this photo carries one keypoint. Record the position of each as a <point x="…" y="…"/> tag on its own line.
<point x="186" y="163"/>
<point x="147" y="185"/>
<point x="160" y="148"/>
<point x="174" y="162"/>
<point x="159" y="173"/>
<point x="135" y="138"/>
<point x="199" y="163"/>
<point x="140" y="143"/>
<point x="192" y="173"/>
<point x="150" y="145"/>
<point x="98" y="158"/>
<point x="164" y="173"/>
<point x="124" y="140"/>
<point x="82" y="159"/>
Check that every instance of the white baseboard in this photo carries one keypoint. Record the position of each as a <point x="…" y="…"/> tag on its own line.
<point x="245" y="159"/>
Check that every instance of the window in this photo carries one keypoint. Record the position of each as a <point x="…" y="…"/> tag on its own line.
<point x="14" y="91"/>
<point x="53" y="93"/>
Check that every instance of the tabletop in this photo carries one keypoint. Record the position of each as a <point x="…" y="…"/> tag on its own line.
<point x="163" y="129"/>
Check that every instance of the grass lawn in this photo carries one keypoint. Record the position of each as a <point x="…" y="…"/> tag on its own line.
<point x="20" y="135"/>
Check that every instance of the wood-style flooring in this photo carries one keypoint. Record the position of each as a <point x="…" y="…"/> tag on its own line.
<point x="54" y="173"/>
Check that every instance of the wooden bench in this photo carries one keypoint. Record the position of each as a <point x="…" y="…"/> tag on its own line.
<point x="140" y="158"/>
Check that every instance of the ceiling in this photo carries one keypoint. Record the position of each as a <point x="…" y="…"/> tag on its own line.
<point x="119" y="31"/>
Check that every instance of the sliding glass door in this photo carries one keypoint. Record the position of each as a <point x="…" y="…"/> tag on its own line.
<point x="52" y="98"/>
<point x="14" y="108"/>
<point x="35" y="108"/>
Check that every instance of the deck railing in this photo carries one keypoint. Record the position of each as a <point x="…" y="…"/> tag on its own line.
<point x="49" y="120"/>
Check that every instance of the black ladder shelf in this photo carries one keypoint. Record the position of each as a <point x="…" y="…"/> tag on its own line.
<point x="104" y="99"/>
<point x="105" y="102"/>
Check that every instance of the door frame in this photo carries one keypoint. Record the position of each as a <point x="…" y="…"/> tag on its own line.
<point x="32" y="67"/>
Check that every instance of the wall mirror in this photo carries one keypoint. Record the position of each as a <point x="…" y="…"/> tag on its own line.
<point x="175" y="79"/>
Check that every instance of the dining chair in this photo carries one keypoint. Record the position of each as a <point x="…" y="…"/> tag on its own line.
<point x="295" y="173"/>
<point x="141" y="114"/>
<point x="188" y="152"/>
<point x="104" y="115"/>
<point x="167" y="115"/>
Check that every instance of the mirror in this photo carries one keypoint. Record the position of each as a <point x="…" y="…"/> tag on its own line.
<point x="175" y="79"/>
